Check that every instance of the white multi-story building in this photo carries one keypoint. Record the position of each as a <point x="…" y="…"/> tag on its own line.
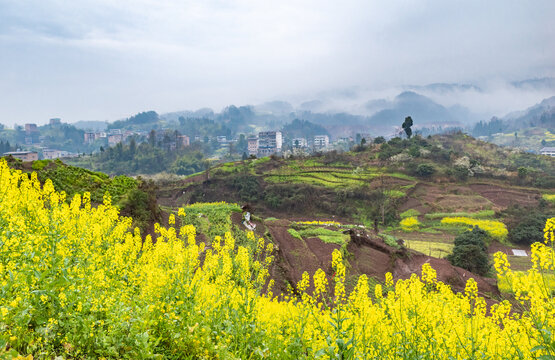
<point x="252" y="145"/>
<point x="269" y="142"/>
<point x="549" y="151"/>
<point x="299" y="143"/>
<point x="321" y="141"/>
<point x="50" y="154"/>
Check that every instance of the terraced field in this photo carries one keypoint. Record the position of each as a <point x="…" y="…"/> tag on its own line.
<point x="332" y="177"/>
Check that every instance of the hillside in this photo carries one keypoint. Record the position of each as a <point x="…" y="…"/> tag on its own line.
<point x="441" y="177"/>
<point x="342" y="184"/>
<point x="76" y="273"/>
<point x="530" y="129"/>
<point x="134" y="197"/>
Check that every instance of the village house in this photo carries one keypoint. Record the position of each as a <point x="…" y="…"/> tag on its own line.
<point x="321" y="141"/>
<point x="549" y="151"/>
<point x="24" y="155"/>
<point x="252" y="145"/>
<point x="269" y="142"/>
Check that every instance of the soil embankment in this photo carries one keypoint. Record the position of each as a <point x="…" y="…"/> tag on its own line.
<point x="368" y="255"/>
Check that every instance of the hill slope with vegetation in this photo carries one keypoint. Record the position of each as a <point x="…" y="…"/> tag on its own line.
<point x="101" y="290"/>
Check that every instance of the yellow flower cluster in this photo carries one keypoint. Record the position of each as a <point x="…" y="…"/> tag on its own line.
<point x="410" y="223"/>
<point x="316" y="222"/>
<point x="75" y="282"/>
<point x="549" y="231"/>
<point x="549" y="197"/>
<point x="200" y="205"/>
<point x="496" y="229"/>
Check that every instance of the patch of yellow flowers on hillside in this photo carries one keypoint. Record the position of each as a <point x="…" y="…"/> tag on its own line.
<point x="76" y="282"/>
<point x="410" y="223"/>
<point x="496" y="229"/>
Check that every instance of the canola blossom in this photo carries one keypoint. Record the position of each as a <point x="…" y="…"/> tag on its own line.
<point x="75" y="282"/>
<point x="318" y="222"/>
<point x="410" y="223"/>
<point x="496" y="229"/>
<point x="549" y="197"/>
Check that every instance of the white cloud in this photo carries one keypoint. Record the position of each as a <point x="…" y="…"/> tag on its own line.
<point x="103" y="59"/>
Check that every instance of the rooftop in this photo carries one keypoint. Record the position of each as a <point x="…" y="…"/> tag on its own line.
<point x="19" y="152"/>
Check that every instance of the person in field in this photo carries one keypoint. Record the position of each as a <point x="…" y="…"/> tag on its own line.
<point x="247" y="217"/>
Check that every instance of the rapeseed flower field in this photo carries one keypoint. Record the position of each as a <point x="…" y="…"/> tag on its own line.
<point x="410" y="223"/>
<point x="496" y="229"/>
<point x="77" y="282"/>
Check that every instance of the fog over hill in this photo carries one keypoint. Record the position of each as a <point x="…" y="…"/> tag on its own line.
<point x="381" y="110"/>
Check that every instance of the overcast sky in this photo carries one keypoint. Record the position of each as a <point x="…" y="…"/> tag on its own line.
<point x="106" y="59"/>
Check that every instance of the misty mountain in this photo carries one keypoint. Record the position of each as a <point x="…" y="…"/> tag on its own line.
<point x="442" y="88"/>
<point x="373" y="106"/>
<point x="422" y="109"/>
<point x="540" y="115"/>
<point x="275" y="107"/>
<point x="535" y="84"/>
<point x="303" y="129"/>
<point x="142" y="121"/>
<point x="312" y="105"/>
<point x="200" y="113"/>
<point x="91" y="125"/>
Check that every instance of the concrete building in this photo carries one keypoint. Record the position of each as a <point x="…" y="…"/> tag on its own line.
<point x="24" y="155"/>
<point x="114" y="139"/>
<point x="549" y="151"/>
<point x="51" y="154"/>
<point x="55" y="121"/>
<point x="321" y="141"/>
<point x="30" y="129"/>
<point x="269" y="142"/>
<point x="183" y="141"/>
<point x="89" y="137"/>
<point x="299" y="143"/>
<point x="252" y="145"/>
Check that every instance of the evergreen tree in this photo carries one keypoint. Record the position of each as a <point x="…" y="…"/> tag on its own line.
<point x="470" y="251"/>
<point x="407" y="124"/>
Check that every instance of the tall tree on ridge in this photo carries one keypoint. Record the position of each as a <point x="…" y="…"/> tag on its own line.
<point x="407" y="126"/>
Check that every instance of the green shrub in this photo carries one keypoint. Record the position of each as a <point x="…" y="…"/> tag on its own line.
<point x="460" y="172"/>
<point x="528" y="229"/>
<point x="425" y="170"/>
<point x="39" y="164"/>
<point x="470" y="251"/>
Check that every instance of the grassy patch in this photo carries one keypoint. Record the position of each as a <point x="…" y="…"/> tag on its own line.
<point x="295" y="234"/>
<point x="430" y="230"/>
<point x="390" y="240"/>
<point x="483" y="214"/>
<point x="430" y="248"/>
<point x="395" y="193"/>
<point x="213" y="219"/>
<point x="326" y="235"/>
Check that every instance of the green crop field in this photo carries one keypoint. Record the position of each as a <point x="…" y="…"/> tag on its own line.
<point x="430" y="248"/>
